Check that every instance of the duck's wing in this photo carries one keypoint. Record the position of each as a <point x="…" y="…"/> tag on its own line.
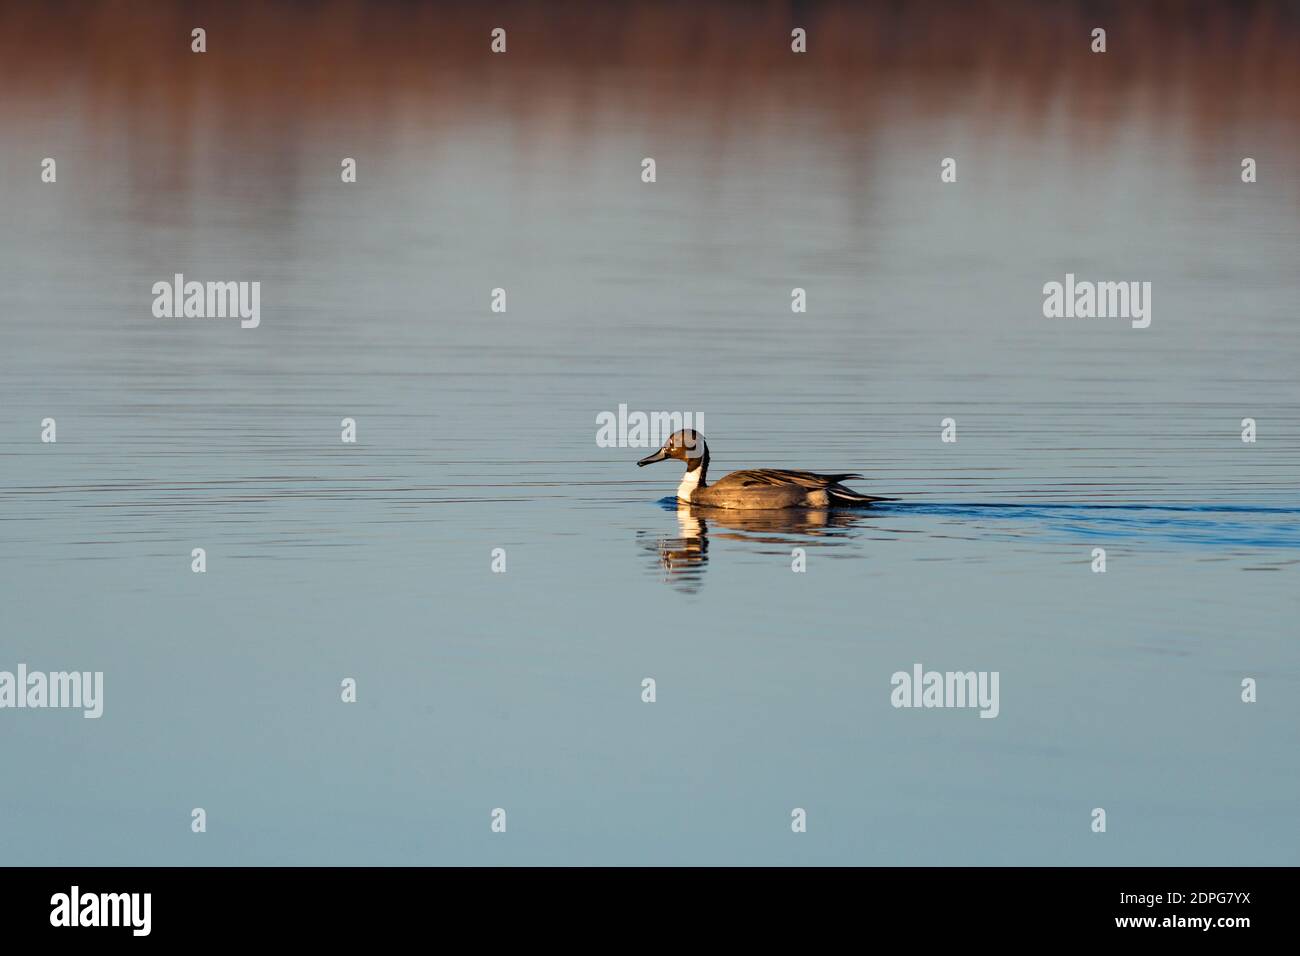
<point x="760" y="477"/>
<point x="808" y="480"/>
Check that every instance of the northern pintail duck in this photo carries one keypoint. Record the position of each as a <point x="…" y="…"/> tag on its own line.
<point x="757" y="488"/>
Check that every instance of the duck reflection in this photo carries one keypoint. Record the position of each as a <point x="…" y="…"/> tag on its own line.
<point x="682" y="558"/>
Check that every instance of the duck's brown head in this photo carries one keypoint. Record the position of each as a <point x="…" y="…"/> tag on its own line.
<point x="686" y="445"/>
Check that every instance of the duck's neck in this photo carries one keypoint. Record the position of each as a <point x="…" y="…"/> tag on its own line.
<point x="696" y="469"/>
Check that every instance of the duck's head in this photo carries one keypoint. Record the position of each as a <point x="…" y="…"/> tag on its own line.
<point x="686" y="445"/>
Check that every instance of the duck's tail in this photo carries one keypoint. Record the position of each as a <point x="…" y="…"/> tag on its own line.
<point x="840" y="495"/>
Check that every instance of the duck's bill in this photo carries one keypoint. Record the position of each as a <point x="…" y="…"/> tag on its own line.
<point x="660" y="455"/>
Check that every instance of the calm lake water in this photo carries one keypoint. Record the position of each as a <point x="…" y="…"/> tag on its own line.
<point x="476" y="431"/>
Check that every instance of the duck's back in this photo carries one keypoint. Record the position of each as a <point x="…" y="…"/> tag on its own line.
<point x="780" y="477"/>
<point x="763" y="488"/>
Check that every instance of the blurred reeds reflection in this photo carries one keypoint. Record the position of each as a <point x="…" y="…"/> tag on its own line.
<point x="380" y="68"/>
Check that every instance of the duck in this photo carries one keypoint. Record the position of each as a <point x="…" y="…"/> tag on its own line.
<point x="756" y="489"/>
